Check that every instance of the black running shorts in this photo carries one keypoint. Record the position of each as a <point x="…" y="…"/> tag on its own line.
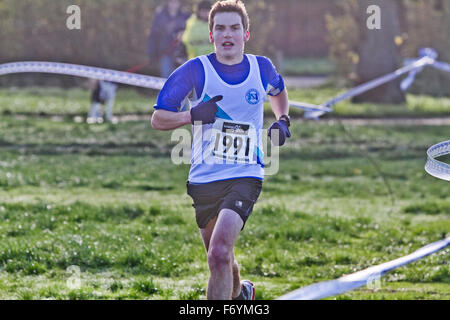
<point x="238" y="195"/>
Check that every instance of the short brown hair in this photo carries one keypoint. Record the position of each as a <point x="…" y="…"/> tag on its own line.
<point x="229" y="6"/>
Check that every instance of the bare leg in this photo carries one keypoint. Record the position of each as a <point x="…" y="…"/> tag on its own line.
<point x="206" y="236"/>
<point x="236" y="279"/>
<point x="207" y="233"/>
<point x="219" y="237"/>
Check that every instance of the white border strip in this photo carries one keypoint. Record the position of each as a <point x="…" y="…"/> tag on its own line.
<point x="330" y="288"/>
<point x="418" y="64"/>
<point x="435" y="167"/>
<point x="112" y="76"/>
<point x="83" y="71"/>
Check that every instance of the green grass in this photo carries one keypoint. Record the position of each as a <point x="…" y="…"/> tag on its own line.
<point x="76" y="102"/>
<point x="108" y="199"/>
<point x="415" y="106"/>
<point x="307" y="66"/>
<point x="48" y="101"/>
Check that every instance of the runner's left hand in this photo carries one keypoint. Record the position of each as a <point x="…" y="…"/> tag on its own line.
<point x="283" y="132"/>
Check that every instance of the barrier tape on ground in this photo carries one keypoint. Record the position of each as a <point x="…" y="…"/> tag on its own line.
<point x="322" y="289"/>
<point x="435" y="167"/>
<point x="441" y="66"/>
<point x="83" y="71"/>
<point x="308" y="107"/>
<point x="427" y="57"/>
<point x="334" y="287"/>
<point x="423" y="52"/>
<point x="412" y="67"/>
<point x="381" y="80"/>
<point x="110" y="75"/>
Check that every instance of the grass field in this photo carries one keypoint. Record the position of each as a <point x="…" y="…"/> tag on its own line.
<point x="107" y="199"/>
<point x="307" y="66"/>
<point x="50" y="101"/>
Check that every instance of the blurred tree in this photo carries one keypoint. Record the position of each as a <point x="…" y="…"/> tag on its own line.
<point x="378" y="53"/>
<point x="416" y="24"/>
<point x="113" y="34"/>
<point x="343" y="38"/>
<point x="428" y="26"/>
<point x="262" y="23"/>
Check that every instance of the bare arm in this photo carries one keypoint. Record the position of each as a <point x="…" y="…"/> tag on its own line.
<point x="280" y="104"/>
<point x="168" y="120"/>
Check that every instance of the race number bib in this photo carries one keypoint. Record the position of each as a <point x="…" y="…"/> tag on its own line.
<point x="233" y="141"/>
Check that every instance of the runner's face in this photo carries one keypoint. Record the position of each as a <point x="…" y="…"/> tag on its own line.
<point x="229" y="37"/>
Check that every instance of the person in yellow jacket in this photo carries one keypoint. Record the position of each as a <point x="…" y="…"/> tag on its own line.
<point x="195" y="35"/>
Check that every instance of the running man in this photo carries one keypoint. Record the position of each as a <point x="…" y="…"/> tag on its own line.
<point x="226" y="89"/>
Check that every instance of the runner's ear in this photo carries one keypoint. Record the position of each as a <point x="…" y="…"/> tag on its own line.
<point x="247" y="36"/>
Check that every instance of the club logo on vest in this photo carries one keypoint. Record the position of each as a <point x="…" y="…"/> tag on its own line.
<point x="252" y="96"/>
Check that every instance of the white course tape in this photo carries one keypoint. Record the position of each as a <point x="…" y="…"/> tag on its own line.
<point x="308" y="107"/>
<point x="330" y="288"/>
<point x="112" y="76"/>
<point x="423" y="52"/>
<point x="83" y="71"/>
<point x="417" y="64"/>
<point x="441" y="66"/>
<point x="427" y="57"/>
<point x="435" y="167"/>
<point x="381" y="80"/>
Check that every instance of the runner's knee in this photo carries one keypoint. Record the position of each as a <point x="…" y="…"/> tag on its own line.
<point x="219" y="256"/>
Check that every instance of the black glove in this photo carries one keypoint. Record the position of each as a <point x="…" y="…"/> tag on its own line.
<point x="283" y="131"/>
<point x="205" y="111"/>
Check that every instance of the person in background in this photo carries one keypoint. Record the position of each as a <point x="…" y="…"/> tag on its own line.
<point x="104" y="92"/>
<point x="195" y="37"/>
<point x="164" y="43"/>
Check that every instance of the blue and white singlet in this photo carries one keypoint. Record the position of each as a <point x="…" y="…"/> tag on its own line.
<point x="231" y="147"/>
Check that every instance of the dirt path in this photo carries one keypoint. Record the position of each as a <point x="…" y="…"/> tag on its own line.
<point x="441" y="121"/>
<point x="304" y="82"/>
<point x="436" y="121"/>
<point x="428" y="121"/>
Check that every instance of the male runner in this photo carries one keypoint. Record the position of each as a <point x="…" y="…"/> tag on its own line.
<point x="226" y="89"/>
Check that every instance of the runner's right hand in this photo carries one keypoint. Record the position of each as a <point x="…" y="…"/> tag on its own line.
<point x="205" y="111"/>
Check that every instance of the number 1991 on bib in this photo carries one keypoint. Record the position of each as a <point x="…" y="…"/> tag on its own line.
<point x="234" y="141"/>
